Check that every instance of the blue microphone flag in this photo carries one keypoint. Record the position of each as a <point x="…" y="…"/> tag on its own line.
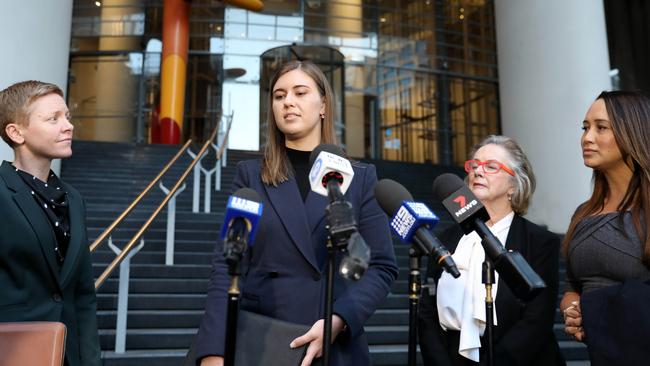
<point x="239" y="207"/>
<point x="409" y="217"/>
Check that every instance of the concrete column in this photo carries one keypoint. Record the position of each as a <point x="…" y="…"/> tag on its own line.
<point x="28" y="53"/>
<point x="553" y="62"/>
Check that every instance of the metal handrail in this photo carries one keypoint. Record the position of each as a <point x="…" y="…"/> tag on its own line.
<point x="129" y="246"/>
<point x="137" y="200"/>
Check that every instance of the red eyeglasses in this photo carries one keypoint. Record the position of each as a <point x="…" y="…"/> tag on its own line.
<point x="489" y="166"/>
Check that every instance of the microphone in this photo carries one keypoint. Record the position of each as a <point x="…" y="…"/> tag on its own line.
<point x="330" y="173"/>
<point x="330" y="176"/>
<point x="468" y="212"/>
<point x="243" y="212"/>
<point x="411" y="222"/>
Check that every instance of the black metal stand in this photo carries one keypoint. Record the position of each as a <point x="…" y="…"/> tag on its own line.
<point x="234" y="248"/>
<point x="415" y="257"/>
<point x="329" y="303"/>
<point x="340" y="225"/>
<point x="231" y="321"/>
<point x="488" y="281"/>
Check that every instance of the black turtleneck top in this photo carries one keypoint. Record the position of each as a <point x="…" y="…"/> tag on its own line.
<point x="300" y="163"/>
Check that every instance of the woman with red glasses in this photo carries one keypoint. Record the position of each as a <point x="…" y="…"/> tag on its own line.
<point x="452" y="312"/>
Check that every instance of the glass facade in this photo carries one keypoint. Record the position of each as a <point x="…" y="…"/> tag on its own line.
<point x="415" y="80"/>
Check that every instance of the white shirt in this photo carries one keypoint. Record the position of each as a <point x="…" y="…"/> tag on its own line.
<point x="461" y="301"/>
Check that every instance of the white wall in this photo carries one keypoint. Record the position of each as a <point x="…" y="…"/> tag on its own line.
<point x="35" y="41"/>
<point x="553" y="62"/>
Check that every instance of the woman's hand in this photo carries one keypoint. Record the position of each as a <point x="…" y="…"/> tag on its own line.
<point x="314" y="337"/>
<point x="212" y="361"/>
<point x="570" y="306"/>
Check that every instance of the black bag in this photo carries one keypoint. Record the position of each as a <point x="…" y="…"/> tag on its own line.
<point x="262" y="340"/>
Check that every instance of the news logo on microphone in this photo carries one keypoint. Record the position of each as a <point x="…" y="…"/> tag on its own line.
<point x="462" y="204"/>
<point x="326" y="165"/>
<point x="409" y="217"/>
<point x="239" y="207"/>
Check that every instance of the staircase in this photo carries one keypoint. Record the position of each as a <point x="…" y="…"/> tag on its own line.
<point x="166" y="302"/>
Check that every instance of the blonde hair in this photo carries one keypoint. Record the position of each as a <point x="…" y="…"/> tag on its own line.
<point x="16" y="100"/>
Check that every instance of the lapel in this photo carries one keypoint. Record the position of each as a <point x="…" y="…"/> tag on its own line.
<point x="287" y="202"/>
<point x="516" y="235"/>
<point x="76" y="235"/>
<point x="34" y="216"/>
<point x="515" y="241"/>
<point x="315" y="205"/>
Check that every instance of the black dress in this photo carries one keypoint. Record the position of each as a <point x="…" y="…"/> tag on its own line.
<point x="605" y="267"/>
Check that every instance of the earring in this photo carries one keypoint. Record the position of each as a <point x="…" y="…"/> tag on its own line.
<point x="509" y="197"/>
<point x="322" y="116"/>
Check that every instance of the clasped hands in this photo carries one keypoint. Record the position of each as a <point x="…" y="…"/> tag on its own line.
<point x="573" y="321"/>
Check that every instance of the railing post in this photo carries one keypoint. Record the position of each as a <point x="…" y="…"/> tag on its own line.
<point x="220" y="139"/>
<point x="171" y="223"/>
<point x="208" y="188"/>
<point x="197" y="181"/>
<point x="123" y="295"/>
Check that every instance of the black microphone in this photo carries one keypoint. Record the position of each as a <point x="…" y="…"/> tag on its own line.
<point x="330" y="175"/>
<point x="411" y="221"/>
<point x="243" y="211"/>
<point x="468" y="212"/>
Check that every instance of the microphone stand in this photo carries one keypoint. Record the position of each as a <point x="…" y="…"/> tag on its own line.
<point x="233" y="252"/>
<point x="415" y="257"/>
<point x="231" y="321"/>
<point x="340" y="224"/>
<point x="488" y="281"/>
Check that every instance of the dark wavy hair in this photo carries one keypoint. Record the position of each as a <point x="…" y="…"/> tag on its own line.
<point x="629" y="114"/>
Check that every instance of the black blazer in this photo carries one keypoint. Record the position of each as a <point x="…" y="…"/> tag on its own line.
<point x="285" y="278"/>
<point x="32" y="285"/>
<point x="524" y="336"/>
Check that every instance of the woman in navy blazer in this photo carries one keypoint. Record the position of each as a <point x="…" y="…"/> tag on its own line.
<point x="500" y="175"/>
<point x="45" y="271"/>
<point x="285" y="276"/>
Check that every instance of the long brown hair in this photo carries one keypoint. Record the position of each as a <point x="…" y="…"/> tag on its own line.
<point x="629" y="114"/>
<point x="275" y="164"/>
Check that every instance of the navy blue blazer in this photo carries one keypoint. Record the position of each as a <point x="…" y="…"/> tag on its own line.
<point x="285" y="276"/>
<point x="524" y="335"/>
<point x="32" y="286"/>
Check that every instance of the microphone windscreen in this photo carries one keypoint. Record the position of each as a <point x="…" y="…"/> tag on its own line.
<point x="446" y="184"/>
<point x="330" y="148"/>
<point x="390" y="195"/>
<point x="247" y="194"/>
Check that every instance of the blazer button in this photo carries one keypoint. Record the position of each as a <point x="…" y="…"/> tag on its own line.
<point x="317" y="277"/>
<point x="56" y="297"/>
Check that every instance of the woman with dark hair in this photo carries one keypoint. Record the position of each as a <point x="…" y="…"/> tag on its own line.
<point x="45" y="270"/>
<point x="452" y="310"/>
<point x="285" y="268"/>
<point x="607" y="245"/>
